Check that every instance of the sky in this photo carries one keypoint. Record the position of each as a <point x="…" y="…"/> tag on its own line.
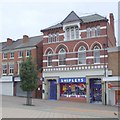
<point x="28" y="17"/>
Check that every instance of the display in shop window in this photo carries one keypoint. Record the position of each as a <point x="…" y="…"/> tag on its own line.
<point x="73" y="90"/>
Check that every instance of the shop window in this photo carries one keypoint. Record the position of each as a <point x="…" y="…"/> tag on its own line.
<point x="73" y="90"/>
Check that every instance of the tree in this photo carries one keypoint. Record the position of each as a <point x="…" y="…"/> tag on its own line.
<point x="28" y="76"/>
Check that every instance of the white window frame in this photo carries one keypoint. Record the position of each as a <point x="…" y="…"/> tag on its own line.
<point x="57" y="37"/>
<point x="98" y="31"/>
<point x="11" y="68"/>
<point x="12" y="55"/>
<point x="93" y="32"/>
<point x="49" y="62"/>
<point x="20" y="54"/>
<point x="77" y="32"/>
<point x="5" y="54"/>
<point x="67" y="34"/>
<point x="4" y="69"/>
<point x="96" y="51"/>
<point x="27" y="53"/>
<point x="88" y="33"/>
<point x="81" y="50"/>
<point x="62" y="52"/>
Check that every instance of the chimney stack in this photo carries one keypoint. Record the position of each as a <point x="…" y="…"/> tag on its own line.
<point x="9" y="41"/>
<point x="111" y="16"/>
<point x="25" y="38"/>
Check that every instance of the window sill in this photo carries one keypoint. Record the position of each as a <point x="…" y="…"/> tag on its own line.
<point x="11" y="58"/>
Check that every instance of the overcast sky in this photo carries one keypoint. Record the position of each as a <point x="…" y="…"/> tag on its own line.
<point x="20" y="18"/>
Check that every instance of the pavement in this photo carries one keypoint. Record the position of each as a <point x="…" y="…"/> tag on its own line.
<point x="13" y="107"/>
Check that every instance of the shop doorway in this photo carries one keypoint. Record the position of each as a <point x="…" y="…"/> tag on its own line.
<point x="95" y="90"/>
<point x="52" y="89"/>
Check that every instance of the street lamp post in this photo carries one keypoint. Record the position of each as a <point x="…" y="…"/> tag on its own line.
<point x="104" y="45"/>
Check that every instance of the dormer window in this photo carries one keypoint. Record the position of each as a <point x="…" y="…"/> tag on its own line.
<point x="72" y="33"/>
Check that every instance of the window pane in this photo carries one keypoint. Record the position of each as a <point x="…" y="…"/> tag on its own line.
<point x="4" y="69"/>
<point x="96" y="56"/>
<point x="62" y="59"/>
<point x="77" y="32"/>
<point x="82" y="58"/>
<point x="57" y="37"/>
<point x="98" y="31"/>
<point x="88" y="32"/>
<point x="93" y="32"/>
<point x="49" y="60"/>
<point x="72" y="33"/>
<point x="11" y="68"/>
<point x="67" y="34"/>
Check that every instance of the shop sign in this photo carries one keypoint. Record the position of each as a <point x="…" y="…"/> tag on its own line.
<point x="17" y="79"/>
<point x="6" y="78"/>
<point x="72" y="80"/>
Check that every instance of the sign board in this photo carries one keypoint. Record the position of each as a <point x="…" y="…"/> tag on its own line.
<point x="72" y="80"/>
<point x="17" y="79"/>
<point x="6" y="79"/>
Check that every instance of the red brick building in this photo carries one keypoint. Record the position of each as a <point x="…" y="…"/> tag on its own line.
<point x="12" y="53"/>
<point x="113" y="80"/>
<point x="75" y="57"/>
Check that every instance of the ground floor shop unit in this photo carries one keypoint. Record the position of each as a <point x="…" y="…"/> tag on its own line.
<point x="37" y="93"/>
<point x="7" y="85"/>
<point x="80" y="86"/>
<point x="113" y="90"/>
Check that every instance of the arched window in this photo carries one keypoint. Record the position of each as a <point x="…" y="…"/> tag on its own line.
<point x="49" y="58"/>
<point x="98" y="31"/>
<point x="62" y="56"/>
<point x="82" y="55"/>
<point x="96" y="54"/>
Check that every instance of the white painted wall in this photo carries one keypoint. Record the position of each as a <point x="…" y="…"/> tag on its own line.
<point x="77" y="73"/>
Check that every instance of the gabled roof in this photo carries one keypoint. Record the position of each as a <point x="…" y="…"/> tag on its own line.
<point x="33" y="41"/>
<point x="74" y="17"/>
<point x="71" y="17"/>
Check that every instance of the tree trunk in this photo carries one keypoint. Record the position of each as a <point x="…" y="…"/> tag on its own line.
<point x="29" y="98"/>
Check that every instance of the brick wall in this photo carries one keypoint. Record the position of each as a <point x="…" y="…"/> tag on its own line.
<point x="113" y="63"/>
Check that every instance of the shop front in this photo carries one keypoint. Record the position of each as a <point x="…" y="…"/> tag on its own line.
<point x="113" y="90"/>
<point x="73" y="89"/>
<point x="7" y="85"/>
<point x="95" y="90"/>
